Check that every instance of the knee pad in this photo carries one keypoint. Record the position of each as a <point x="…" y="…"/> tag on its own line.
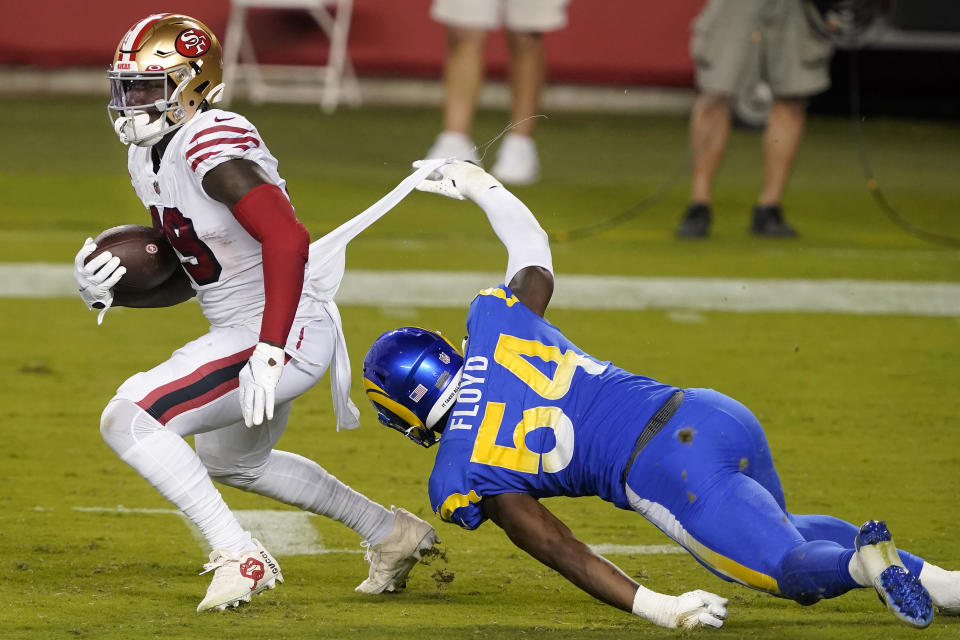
<point x="123" y="422"/>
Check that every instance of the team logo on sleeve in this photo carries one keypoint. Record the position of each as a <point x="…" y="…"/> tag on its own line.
<point x="192" y="43"/>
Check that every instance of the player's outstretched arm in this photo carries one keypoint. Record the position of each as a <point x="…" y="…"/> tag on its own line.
<point x="533" y="528"/>
<point x="529" y="262"/>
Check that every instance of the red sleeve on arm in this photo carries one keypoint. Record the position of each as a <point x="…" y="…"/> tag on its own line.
<point x="266" y="214"/>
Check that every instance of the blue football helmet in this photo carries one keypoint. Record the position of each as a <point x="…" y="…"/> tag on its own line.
<point x="412" y="377"/>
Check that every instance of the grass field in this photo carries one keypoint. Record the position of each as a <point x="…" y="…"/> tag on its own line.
<point x="860" y="410"/>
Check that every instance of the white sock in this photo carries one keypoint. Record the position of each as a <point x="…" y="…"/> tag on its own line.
<point x="170" y="465"/>
<point x="303" y="483"/>
<point x="943" y="585"/>
<point x="857" y="572"/>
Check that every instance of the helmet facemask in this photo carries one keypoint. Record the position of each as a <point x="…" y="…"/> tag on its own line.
<point x="142" y="106"/>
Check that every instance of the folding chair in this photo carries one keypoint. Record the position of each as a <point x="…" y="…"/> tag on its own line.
<point x="331" y="83"/>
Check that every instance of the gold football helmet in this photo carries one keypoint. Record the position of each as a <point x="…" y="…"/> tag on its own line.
<point x="166" y="68"/>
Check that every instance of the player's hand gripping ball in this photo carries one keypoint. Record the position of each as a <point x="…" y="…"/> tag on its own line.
<point x="144" y="251"/>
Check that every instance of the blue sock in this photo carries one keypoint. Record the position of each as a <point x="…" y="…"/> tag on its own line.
<point x="815" y="570"/>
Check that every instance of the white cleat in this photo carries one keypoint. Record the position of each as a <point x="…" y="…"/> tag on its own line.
<point x="239" y="577"/>
<point x="450" y="144"/>
<point x="897" y="588"/>
<point x="391" y="560"/>
<point x="517" y="160"/>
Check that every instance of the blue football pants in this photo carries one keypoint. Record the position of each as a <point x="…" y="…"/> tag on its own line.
<point x="708" y="481"/>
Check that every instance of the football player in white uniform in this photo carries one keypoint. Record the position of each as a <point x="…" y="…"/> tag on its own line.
<point x="212" y="186"/>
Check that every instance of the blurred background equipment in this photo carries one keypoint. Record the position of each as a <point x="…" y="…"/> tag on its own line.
<point x="328" y="84"/>
<point x="843" y="21"/>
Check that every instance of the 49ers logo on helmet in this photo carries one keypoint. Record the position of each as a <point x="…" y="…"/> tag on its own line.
<point x="192" y="43"/>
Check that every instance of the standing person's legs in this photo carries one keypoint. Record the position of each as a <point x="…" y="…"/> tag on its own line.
<point x="518" y="162"/>
<point x="463" y="74"/>
<point x="781" y="139"/>
<point x="709" y="135"/>
<point x="796" y="63"/>
<point x="527" y="74"/>
<point x="467" y="23"/>
<point x="727" y="59"/>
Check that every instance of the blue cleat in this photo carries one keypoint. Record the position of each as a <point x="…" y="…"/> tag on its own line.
<point x="897" y="588"/>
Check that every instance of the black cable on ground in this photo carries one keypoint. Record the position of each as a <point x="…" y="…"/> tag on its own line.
<point x="873" y="186"/>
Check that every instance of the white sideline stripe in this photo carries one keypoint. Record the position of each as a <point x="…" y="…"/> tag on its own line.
<point x="455" y="289"/>
<point x="284" y="533"/>
<point x="290" y="533"/>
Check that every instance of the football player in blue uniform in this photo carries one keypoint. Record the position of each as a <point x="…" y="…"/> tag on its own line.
<point x="525" y="414"/>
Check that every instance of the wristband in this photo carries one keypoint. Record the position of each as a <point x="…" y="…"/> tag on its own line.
<point x="653" y="606"/>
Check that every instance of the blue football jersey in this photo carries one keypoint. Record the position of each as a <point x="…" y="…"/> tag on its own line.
<point x="535" y="415"/>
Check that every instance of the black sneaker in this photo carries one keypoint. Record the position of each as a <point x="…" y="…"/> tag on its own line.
<point x="696" y="221"/>
<point x="768" y="221"/>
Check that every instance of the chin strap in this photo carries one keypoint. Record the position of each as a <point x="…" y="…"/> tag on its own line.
<point x="137" y="129"/>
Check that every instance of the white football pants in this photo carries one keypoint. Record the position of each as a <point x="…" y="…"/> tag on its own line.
<point x="195" y="393"/>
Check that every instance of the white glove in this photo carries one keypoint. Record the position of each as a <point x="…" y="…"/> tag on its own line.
<point x="258" y="382"/>
<point x="687" y="611"/>
<point x="97" y="278"/>
<point x="457" y="179"/>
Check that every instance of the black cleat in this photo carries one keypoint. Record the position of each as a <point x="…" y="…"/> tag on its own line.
<point x="696" y="221"/>
<point x="768" y="221"/>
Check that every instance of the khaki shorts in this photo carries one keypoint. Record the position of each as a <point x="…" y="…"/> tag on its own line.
<point x="516" y="15"/>
<point x="737" y="43"/>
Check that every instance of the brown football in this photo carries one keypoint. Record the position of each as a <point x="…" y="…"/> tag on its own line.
<point x="144" y="251"/>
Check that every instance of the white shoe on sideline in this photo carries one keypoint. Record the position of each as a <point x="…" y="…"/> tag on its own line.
<point x="391" y="560"/>
<point x="450" y="144"/>
<point x="238" y="577"/>
<point x="517" y="160"/>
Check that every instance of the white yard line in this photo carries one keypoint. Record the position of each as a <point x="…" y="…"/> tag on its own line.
<point x="456" y="289"/>
<point x="290" y="533"/>
<point x="285" y="533"/>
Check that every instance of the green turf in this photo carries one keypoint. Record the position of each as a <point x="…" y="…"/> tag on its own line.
<point x="860" y="410"/>
<point x="68" y="180"/>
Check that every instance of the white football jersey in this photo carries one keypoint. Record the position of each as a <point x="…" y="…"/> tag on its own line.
<point x="223" y="260"/>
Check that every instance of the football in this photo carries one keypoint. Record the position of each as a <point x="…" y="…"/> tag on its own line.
<point x="144" y="251"/>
